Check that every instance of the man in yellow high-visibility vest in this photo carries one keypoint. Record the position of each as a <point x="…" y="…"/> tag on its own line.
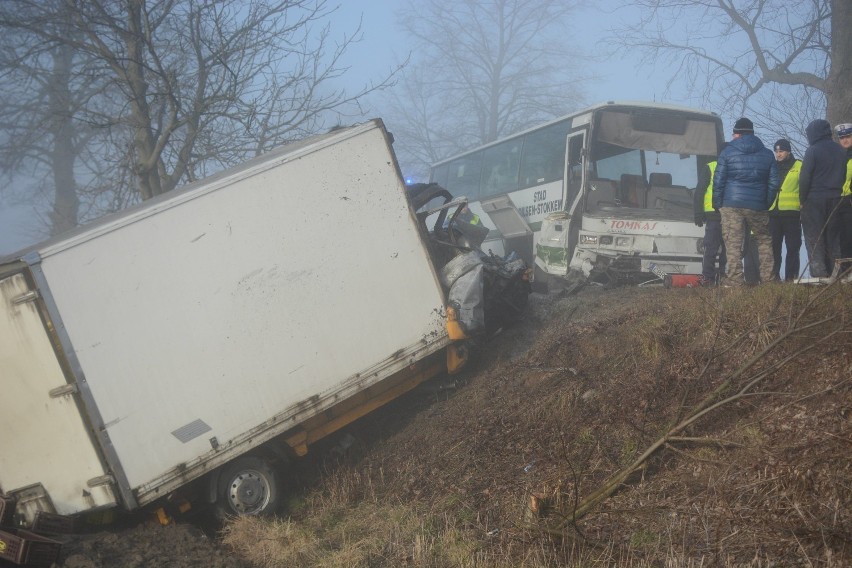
<point x="709" y="218"/>
<point x="844" y="138"/>
<point x="785" y="223"/>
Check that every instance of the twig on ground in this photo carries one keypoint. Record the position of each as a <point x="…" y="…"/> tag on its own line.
<point x="710" y="403"/>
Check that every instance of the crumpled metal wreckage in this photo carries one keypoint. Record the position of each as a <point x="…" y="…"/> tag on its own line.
<point x="487" y="291"/>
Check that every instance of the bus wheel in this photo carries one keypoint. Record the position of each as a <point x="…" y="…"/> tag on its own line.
<point x="248" y="486"/>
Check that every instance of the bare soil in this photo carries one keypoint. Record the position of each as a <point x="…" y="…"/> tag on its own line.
<point x="576" y="391"/>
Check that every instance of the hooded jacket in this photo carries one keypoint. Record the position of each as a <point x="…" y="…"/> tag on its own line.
<point x="746" y="176"/>
<point x="824" y="164"/>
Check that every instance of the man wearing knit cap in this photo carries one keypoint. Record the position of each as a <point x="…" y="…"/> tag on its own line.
<point x="784" y="223"/>
<point x="820" y="183"/>
<point x="745" y="184"/>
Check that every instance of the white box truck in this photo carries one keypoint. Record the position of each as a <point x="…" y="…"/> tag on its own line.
<point x="205" y="331"/>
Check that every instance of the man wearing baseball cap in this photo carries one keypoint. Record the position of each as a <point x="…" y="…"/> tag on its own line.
<point x="784" y="223"/>
<point x="820" y="183"/>
<point x="745" y="184"/>
<point x="844" y="138"/>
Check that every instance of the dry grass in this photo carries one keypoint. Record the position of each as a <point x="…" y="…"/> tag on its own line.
<point x="763" y="480"/>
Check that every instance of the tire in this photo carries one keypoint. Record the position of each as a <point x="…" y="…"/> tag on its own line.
<point x="248" y="486"/>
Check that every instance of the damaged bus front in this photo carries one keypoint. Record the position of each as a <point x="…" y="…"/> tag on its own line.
<point x="606" y="192"/>
<point x="631" y="176"/>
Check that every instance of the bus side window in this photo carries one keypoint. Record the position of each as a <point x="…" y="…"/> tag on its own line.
<point x="500" y="168"/>
<point x="543" y="157"/>
<point x="533" y="171"/>
<point x="439" y="175"/>
<point x="463" y="177"/>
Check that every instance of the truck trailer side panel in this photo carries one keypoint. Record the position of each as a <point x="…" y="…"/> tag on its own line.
<point x="210" y="321"/>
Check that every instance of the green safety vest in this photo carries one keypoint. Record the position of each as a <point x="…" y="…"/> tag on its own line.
<point x="788" y="195"/>
<point x="847" y="187"/>
<point x="708" y="193"/>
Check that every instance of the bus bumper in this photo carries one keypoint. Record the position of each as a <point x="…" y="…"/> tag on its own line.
<point x="611" y="266"/>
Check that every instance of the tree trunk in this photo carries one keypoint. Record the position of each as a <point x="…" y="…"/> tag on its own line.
<point x="66" y="204"/>
<point x="839" y="93"/>
<point x="144" y="142"/>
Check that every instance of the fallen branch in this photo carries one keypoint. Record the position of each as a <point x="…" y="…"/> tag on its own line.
<point x="705" y="441"/>
<point x="710" y="403"/>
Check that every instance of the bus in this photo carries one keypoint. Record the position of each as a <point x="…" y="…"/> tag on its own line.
<point x="606" y="192"/>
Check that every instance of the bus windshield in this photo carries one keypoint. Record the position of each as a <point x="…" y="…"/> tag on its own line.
<point x="682" y="168"/>
<point x="648" y="161"/>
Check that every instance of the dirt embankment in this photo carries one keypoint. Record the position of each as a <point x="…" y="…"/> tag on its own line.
<point x="645" y="425"/>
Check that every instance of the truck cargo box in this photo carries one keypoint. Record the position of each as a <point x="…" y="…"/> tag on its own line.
<point x="149" y="348"/>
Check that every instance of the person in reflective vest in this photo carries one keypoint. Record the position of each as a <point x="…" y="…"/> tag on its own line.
<point x="709" y="218"/>
<point x="785" y="224"/>
<point x="844" y="138"/>
<point x="469" y="217"/>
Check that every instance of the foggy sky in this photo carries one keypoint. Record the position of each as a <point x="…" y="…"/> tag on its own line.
<point x="384" y="44"/>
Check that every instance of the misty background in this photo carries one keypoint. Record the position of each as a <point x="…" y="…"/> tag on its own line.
<point x="108" y="104"/>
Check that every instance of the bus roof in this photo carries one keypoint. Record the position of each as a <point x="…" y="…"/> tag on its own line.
<point x="609" y="104"/>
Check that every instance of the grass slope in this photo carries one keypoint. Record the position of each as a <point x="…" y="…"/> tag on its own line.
<point x="627" y="427"/>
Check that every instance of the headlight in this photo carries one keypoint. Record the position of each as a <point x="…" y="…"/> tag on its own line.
<point x="699" y="246"/>
<point x="623" y="241"/>
<point x="606" y="239"/>
<point x="588" y="239"/>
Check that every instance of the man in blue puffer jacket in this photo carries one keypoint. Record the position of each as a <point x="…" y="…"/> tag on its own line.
<point x="820" y="183"/>
<point x="745" y="184"/>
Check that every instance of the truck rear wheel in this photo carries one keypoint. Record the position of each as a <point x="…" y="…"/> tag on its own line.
<point x="248" y="486"/>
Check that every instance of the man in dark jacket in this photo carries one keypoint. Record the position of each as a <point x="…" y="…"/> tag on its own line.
<point x="820" y="183"/>
<point x="745" y="183"/>
<point x="784" y="223"/>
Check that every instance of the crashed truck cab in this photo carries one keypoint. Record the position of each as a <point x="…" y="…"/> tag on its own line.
<point x="484" y="290"/>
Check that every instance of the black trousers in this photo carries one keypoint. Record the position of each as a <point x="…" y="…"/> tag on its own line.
<point x="844" y="236"/>
<point x="821" y="226"/>
<point x="714" y="247"/>
<point x="786" y="229"/>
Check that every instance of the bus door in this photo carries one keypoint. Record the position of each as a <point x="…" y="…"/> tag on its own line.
<point x="559" y="231"/>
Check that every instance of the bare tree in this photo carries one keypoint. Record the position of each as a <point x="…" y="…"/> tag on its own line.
<point x="184" y="87"/>
<point x="839" y="80"/>
<point x="44" y="121"/>
<point x="790" y="61"/>
<point x="480" y="70"/>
